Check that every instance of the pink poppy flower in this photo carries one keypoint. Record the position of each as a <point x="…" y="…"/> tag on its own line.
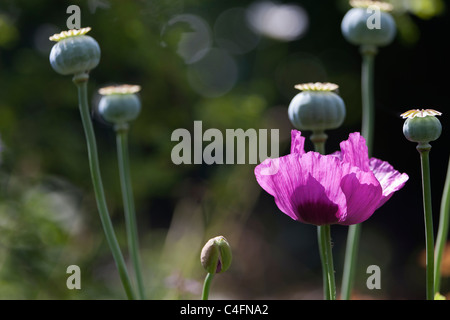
<point x="342" y="188"/>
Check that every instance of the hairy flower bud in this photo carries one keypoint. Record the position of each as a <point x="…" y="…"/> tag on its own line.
<point x="74" y="52"/>
<point x="317" y="107"/>
<point x="216" y="255"/>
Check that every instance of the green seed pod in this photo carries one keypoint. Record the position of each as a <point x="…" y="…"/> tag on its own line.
<point x="216" y="255"/>
<point x="74" y="53"/>
<point x="422" y="126"/>
<point x="119" y="104"/>
<point x="369" y="24"/>
<point x="317" y="108"/>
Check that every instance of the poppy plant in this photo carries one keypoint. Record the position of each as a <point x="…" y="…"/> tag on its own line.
<point x="422" y="127"/>
<point x="342" y="188"/>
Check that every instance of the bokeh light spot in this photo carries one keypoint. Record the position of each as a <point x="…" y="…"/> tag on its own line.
<point x="214" y="75"/>
<point x="190" y="35"/>
<point x="284" y="22"/>
<point x="233" y="33"/>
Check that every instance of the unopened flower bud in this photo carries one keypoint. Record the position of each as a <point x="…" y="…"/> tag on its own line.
<point x="74" y="52"/>
<point x="119" y="104"/>
<point x="422" y="126"/>
<point x="369" y="23"/>
<point x="317" y="107"/>
<point x="216" y="255"/>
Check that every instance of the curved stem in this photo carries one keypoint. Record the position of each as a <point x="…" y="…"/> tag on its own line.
<point x="424" y="150"/>
<point x="81" y="84"/>
<point x="367" y="131"/>
<point x="129" y="208"/>
<point x="442" y="231"/>
<point x="207" y="285"/>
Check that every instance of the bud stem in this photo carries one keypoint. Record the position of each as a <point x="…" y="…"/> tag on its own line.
<point x="98" y="186"/>
<point x="367" y="130"/>
<point x="318" y="138"/>
<point x="128" y="202"/>
<point x="327" y="261"/>
<point x="424" y="150"/>
<point x="207" y="285"/>
<point x="367" y="87"/>
<point x="351" y="251"/>
<point x="81" y="77"/>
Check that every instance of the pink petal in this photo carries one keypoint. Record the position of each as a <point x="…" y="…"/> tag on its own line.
<point x="297" y="142"/>
<point x="354" y="151"/>
<point x="280" y="183"/>
<point x="319" y="199"/>
<point x="363" y="193"/>
<point x="312" y="204"/>
<point x="390" y="179"/>
<point x="306" y="188"/>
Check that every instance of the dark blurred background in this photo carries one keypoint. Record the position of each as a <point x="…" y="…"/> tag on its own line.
<point x="231" y="64"/>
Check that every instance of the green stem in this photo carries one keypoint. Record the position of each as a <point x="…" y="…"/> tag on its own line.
<point x="424" y="150"/>
<point x="368" y="101"/>
<point x="351" y="252"/>
<point x="442" y="231"/>
<point x="322" y="249"/>
<point x="367" y="130"/>
<point x="326" y="253"/>
<point x="318" y="138"/>
<point x="207" y="285"/>
<point x="129" y="208"/>
<point x="81" y="83"/>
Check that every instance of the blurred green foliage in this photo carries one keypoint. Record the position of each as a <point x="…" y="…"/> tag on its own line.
<point x="48" y="217"/>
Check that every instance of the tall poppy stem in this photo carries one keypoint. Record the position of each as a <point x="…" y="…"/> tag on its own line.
<point x="351" y="252"/>
<point x="327" y="256"/>
<point x="367" y="130"/>
<point x="442" y="231"/>
<point x="322" y="248"/>
<point x="81" y="83"/>
<point x="318" y="138"/>
<point x="424" y="150"/>
<point x="367" y="92"/>
<point x="129" y="208"/>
